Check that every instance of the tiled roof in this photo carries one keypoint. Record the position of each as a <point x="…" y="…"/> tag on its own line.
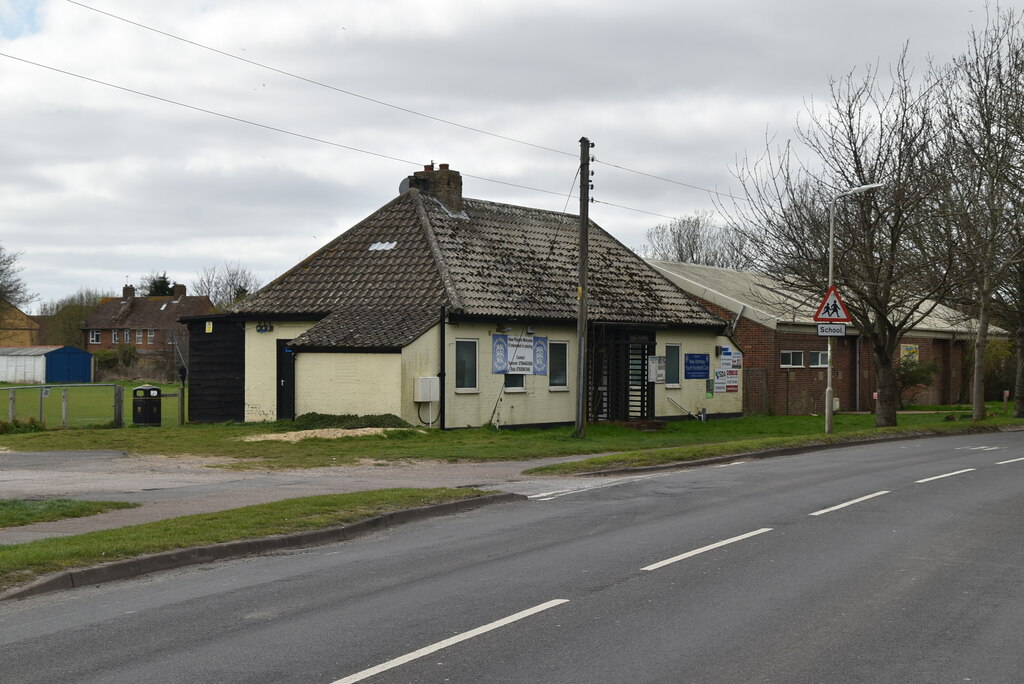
<point x="157" y="313"/>
<point x="382" y="283"/>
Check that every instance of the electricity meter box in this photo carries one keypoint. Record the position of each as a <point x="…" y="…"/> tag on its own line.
<point x="426" y="390"/>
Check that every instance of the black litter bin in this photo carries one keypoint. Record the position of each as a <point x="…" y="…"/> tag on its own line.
<point x="146" y="405"/>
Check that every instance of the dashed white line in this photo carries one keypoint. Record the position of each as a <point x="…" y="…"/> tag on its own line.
<point x="709" y="547"/>
<point x="427" y="650"/>
<point x="849" y="503"/>
<point x="548" y="496"/>
<point x="1012" y="460"/>
<point x="939" y="477"/>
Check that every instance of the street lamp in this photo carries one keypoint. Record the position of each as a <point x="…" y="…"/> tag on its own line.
<point x="831" y="260"/>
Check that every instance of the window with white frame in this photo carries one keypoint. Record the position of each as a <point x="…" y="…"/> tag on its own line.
<point x="672" y="364"/>
<point x="558" y="365"/>
<point x="465" y="364"/>
<point x="515" y="382"/>
<point x="113" y="336"/>
<point x="127" y="336"/>
<point x="817" y="359"/>
<point x="94" y="337"/>
<point x="792" y="359"/>
<point x="150" y="336"/>
<point x="138" y="336"/>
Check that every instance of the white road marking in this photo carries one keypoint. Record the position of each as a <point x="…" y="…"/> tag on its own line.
<point x="427" y="650"/>
<point x="1012" y="460"/>
<point x="726" y="465"/>
<point x="939" y="477"/>
<point x="709" y="547"/>
<point x="548" y="496"/>
<point x="979" y="448"/>
<point x="849" y="503"/>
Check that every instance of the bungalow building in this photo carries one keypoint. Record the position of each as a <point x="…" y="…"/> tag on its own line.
<point x="785" y="361"/>
<point x="454" y="312"/>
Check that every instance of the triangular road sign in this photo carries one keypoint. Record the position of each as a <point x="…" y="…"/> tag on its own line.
<point x="832" y="309"/>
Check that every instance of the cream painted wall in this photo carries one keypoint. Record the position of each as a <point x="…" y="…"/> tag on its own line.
<point x="420" y="360"/>
<point x="491" y="403"/>
<point x="261" y="367"/>
<point x="691" y="394"/>
<point x="340" y="384"/>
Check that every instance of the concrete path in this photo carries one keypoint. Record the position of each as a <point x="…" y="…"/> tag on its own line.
<point x="169" y="487"/>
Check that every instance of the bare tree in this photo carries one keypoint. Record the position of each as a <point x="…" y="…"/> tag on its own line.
<point x="67" y="316"/>
<point x="698" y="239"/>
<point x="13" y="290"/>
<point x="984" y="162"/>
<point x="890" y="265"/>
<point x="225" y="284"/>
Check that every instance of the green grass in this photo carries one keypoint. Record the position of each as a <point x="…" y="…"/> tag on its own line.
<point x="476" y="444"/>
<point x="87" y="405"/>
<point x="14" y="512"/>
<point x="21" y="563"/>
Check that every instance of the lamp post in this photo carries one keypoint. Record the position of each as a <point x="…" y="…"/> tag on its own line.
<point x="831" y="270"/>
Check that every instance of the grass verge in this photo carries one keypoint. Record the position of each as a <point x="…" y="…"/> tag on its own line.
<point x="471" y="444"/>
<point x="23" y="563"/>
<point x="15" y="512"/>
<point x="741" y="447"/>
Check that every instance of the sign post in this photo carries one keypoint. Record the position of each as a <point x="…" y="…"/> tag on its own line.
<point x="831" y="317"/>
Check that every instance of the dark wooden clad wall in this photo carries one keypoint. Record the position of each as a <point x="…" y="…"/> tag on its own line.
<point x="216" y="391"/>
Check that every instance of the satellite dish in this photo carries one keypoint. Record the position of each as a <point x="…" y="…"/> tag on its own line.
<point x="403" y="187"/>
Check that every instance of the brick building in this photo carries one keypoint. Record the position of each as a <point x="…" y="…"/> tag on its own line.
<point x="785" y="362"/>
<point x="150" y="324"/>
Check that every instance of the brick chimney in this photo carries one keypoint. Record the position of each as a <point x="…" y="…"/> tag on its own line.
<point x="128" y="293"/>
<point x="442" y="183"/>
<point x="177" y="290"/>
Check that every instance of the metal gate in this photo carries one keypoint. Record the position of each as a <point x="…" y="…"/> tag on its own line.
<point x="618" y="374"/>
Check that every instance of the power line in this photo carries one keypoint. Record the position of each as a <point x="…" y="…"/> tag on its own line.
<point x="393" y="106"/>
<point x="294" y="134"/>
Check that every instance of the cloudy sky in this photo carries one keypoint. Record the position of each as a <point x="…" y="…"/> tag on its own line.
<point x="206" y="152"/>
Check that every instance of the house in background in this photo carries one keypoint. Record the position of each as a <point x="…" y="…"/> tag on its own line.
<point x="150" y="324"/>
<point x="785" y="361"/>
<point x="455" y="312"/>
<point x="17" y="329"/>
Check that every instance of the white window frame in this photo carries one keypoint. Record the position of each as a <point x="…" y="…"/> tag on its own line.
<point x="821" y="354"/>
<point x="517" y="388"/>
<point x="551" y="354"/>
<point x="150" y="336"/>
<point x="95" y="337"/>
<point x="476" y="366"/>
<point x="138" y="336"/>
<point x="791" y="364"/>
<point x="114" y="337"/>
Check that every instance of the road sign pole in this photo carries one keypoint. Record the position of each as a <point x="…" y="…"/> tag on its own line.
<point x="831" y="255"/>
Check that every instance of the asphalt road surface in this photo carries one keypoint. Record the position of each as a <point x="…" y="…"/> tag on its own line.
<point x="899" y="562"/>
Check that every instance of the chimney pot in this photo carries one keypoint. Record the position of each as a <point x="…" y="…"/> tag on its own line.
<point x="444" y="183"/>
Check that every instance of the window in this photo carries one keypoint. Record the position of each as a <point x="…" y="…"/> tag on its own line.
<point x="138" y="337"/>
<point x="792" y="359"/>
<point x="672" y="364"/>
<point x="150" y="336"/>
<point x="113" y="336"/>
<point x="127" y="336"/>
<point x="94" y="337"/>
<point x="817" y="359"/>
<point x="558" y="365"/>
<point x="465" y="364"/>
<point x="515" y="383"/>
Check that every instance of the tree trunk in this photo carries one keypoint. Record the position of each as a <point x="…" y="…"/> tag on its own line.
<point x="1018" y="391"/>
<point x="885" y="408"/>
<point x="981" y="343"/>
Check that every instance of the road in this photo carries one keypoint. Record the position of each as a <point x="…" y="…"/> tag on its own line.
<point x="900" y="562"/>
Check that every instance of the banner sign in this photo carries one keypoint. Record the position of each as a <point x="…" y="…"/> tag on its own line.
<point x="696" y="366"/>
<point x="519" y="355"/>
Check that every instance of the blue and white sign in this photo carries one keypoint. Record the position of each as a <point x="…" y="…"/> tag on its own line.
<point x="696" y="366"/>
<point x="519" y="355"/>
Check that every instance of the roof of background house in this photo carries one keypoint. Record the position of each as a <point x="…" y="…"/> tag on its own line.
<point x="382" y="283"/>
<point x="767" y="302"/>
<point x="130" y="312"/>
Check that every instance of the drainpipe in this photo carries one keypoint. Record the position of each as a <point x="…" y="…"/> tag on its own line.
<point x="441" y="372"/>
<point x="856" y="370"/>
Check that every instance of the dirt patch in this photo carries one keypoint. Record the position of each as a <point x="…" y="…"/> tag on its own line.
<point x="324" y="433"/>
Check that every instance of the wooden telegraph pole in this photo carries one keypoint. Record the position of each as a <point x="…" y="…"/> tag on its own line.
<point x="581" y="294"/>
